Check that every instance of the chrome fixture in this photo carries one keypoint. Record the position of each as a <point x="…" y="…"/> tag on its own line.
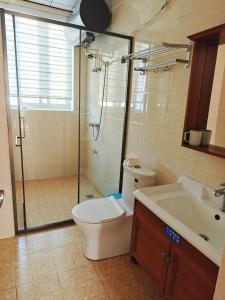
<point x="94" y="124"/>
<point x="221" y="192"/>
<point x="98" y="63"/>
<point x="155" y="51"/>
<point x="161" y="66"/>
<point x="94" y="151"/>
<point x="1" y="197"/>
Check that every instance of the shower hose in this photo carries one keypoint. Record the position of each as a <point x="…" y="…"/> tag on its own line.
<point x="95" y="136"/>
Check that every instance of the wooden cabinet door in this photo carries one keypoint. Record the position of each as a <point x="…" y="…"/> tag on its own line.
<point x="191" y="275"/>
<point x="149" y="244"/>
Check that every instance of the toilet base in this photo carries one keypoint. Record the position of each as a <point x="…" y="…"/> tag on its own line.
<point x="107" y="239"/>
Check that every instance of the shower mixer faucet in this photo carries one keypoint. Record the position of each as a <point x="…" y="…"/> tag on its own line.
<point x="94" y="124"/>
<point x="96" y="70"/>
<point x="94" y="151"/>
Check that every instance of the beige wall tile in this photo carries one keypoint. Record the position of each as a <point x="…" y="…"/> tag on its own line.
<point x="158" y="142"/>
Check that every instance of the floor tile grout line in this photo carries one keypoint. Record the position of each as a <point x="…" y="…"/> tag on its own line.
<point x="100" y="279"/>
<point x="61" y="289"/>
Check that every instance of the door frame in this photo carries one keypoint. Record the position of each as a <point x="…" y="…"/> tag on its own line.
<point x="125" y="125"/>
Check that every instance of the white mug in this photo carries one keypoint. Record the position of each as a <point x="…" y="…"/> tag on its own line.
<point x="194" y="138"/>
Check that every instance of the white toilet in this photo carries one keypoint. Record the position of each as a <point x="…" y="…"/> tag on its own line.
<point x="107" y="222"/>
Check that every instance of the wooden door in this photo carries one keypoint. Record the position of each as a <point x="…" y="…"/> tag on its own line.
<point x="191" y="275"/>
<point x="150" y="247"/>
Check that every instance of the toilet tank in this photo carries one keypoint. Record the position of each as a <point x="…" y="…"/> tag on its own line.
<point x="134" y="178"/>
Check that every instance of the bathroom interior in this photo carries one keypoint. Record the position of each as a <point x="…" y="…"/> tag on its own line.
<point x="112" y="168"/>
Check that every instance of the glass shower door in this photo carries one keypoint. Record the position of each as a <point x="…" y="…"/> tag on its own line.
<point x="43" y="75"/>
<point x="102" y="115"/>
<point x="17" y="125"/>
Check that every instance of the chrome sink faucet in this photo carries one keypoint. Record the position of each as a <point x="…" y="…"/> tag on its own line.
<point x="221" y="192"/>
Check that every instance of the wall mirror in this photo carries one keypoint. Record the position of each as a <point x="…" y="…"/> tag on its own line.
<point x="216" y="116"/>
<point x="205" y="112"/>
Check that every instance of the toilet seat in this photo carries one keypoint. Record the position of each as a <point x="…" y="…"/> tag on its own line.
<point x="100" y="210"/>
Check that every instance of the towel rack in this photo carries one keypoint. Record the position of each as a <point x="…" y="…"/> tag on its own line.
<point x="155" y="51"/>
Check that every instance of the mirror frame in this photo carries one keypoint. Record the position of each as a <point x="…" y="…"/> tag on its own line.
<point x="204" y="53"/>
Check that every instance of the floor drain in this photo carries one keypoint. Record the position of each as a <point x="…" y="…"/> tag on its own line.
<point x="204" y="236"/>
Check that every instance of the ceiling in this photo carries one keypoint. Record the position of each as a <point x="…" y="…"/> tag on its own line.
<point x="61" y="4"/>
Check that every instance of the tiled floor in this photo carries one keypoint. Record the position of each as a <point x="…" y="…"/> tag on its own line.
<point x="50" y="265"/>
<point x="51" y="200"/>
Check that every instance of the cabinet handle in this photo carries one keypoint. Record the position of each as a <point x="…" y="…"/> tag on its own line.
<point x="167" y="256"/>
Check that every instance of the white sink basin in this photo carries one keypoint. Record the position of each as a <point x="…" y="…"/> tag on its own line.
<point x="191" y="209"/>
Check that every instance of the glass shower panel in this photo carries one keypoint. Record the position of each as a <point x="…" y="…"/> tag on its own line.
<point x="16" y="127"/>
<point x="48" y="79"/>
<point x="103" y="100"/>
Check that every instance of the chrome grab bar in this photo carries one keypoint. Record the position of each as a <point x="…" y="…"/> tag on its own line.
<point x="1" y="197"/>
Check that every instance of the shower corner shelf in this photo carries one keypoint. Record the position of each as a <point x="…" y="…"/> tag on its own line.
<point x="155" y="51"/>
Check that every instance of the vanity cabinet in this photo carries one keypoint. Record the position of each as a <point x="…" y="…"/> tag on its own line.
<point x="149" y="246"/>
<point x="182" y="272"/>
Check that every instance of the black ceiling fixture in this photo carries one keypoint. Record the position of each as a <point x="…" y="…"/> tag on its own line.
<point x="95" y="14"/>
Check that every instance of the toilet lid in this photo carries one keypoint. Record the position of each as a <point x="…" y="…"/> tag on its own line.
<point x="98" y="210"/>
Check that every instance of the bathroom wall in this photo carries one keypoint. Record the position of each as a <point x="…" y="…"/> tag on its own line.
<point x="50" y="145"/>
<point x="6" y="211"/>
<point x="155" y="133"/>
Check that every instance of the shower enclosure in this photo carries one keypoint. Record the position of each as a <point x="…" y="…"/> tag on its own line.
<point x="67" y="113"/>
